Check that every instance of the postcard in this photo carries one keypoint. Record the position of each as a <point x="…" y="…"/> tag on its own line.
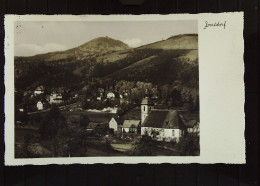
<point x="124" y="89"/>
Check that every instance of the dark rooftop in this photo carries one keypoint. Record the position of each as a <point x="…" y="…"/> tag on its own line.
<point x="190" y="119"/>
<point x="163" y="119"/>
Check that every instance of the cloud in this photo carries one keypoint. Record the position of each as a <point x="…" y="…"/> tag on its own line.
<point x="134" y="42"/>
<point x="27" y="49"/>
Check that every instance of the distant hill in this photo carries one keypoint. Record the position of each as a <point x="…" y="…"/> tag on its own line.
<point x="185" y="41"/>
<point x="93" y="48"/>
<point x="162" y="62"/>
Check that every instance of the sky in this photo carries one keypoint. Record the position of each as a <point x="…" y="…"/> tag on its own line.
<point x="39" y="37"/>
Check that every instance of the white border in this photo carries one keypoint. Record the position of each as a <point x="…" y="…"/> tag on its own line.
<point x="221" y="73"/>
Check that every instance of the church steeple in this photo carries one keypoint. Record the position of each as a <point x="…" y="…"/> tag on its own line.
<point x="145" y="108"/>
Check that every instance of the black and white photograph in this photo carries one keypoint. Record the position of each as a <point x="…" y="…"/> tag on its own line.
<point x="106" y="88"/>
<point x="114" y="93"/>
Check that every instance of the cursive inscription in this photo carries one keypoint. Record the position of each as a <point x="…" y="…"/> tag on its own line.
<point x="216" y="24"/>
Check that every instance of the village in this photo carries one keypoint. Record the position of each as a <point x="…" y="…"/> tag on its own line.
<point x="120" y="121"/>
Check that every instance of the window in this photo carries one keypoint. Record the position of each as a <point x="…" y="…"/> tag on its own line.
<point x="144" y="108"/>
<point x="173" y="134"/>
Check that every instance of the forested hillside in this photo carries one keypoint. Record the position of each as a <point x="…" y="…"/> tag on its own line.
<point x="104" y="59"/>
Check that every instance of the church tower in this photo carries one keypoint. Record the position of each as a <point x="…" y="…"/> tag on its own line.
<point x="145" y="108"/>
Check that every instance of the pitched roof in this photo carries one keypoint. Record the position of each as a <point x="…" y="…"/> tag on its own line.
<point x="129" y="123"/>
<point x="190" y="119"/>
<point x="92" y="125"/>
<point x="190" y="115"/>
<point x="190" y="123"/>
<point x="163" y="119"/>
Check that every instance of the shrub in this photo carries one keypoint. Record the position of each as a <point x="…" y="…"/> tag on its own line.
<point x="189" y="145"/>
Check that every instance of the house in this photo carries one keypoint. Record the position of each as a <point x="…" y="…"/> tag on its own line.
<point x="191" y="122"/>
<point x="94" y="121"/>
<point x="115" y="123"/>
<point x="191" y="125"/>
<point x="56" y="98"/>
<point x="131" y="126"/>
<point x="75" y="96"/>
<point x="39" y="90"/>
<point x="76" y="120"/>
<point x="98" y="128"/>
<point x="21" y="109"/>
<point x="91" y="126"/>
<point x="100" y="94"/>
<point x="39" y="105"/>
<point x="194" y="127"/>
<point x="111" y="95"/>
<point x="163" y="125"/>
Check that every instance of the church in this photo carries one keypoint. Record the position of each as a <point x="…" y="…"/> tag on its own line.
<point x="161" y="124"/>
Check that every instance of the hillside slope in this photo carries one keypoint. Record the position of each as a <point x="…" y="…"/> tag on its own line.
<point x="185" y="41"/>
<point x="94" y="48"/>
<point x="162" y="62"/>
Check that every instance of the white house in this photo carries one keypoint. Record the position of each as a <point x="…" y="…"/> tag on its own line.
<point x="130" y="126"/>
<point x="21" y="109"/>
<point x="115" y="123"/>
<point x="39" y="105"/>
<point x="56" y="98"/>
<point x="110" y="95"/>
<point x="39" y="90"/>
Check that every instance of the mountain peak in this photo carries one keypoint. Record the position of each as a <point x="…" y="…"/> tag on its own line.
<point x="106" y="43"/>
<point x="103" y="38"/>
